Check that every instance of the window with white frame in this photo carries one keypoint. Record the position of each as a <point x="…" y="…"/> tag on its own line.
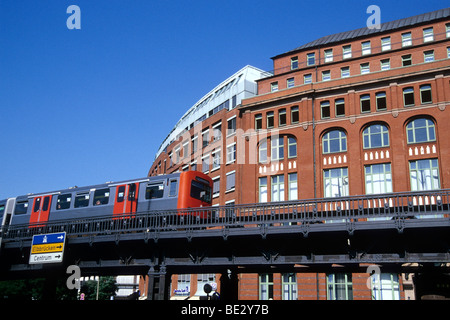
<point x="231" y="126"/>
<point x="216" y="186"/>
<point x="385" y="286"/>
<point x="292" y="147"/>
<point x="231" y="181"/>
<point x="347" y="51"/>
<point x="277" y="148"/>
<point x="205" y="164"/>
<point x="334" y="141"/>
<point x="277" y="187"/>
<point x="428" y="34"/>
<point x="217" y="131"/>
<point x="263" y="189"/>
<point x="345" y="72"/>
<point x="215" y="160"/>
<point x="231" y="153"/>
<point x="424" y="174"/>
<point x="378" y="178"/>
<point x="420" y="130"/>
<point x="365" y="47"/>
<point x="311" y="59"/>
<point x="335" y="182"/>
<point x="375" y="136"/>
<point x="265" y="286"/>
<point x="292" y="186"/>
<point x="428" y="56"/>
<point x="289" y="285"/>
<point x="385" y="64"/>
<point x="339" y="286"/>
<point x="326" y="75"/>
<point x="365" y="68"/>
<point x="406" y="39"/>
<point x="290" y="83"/>
<point x="294" y="63"/>
<point x="329" y="55"/>
<point x="262" y="151"/>
<point x="274" y="86"/>
<point x="307" y="78"/>
<point x="385" y="43"/>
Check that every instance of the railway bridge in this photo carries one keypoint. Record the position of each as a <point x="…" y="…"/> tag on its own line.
<point x="398" y="232"/>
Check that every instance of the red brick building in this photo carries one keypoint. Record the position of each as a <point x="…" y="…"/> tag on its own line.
<point x="353" y="113"/>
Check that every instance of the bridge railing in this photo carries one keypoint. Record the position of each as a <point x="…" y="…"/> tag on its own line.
<point x="406" y="205"/>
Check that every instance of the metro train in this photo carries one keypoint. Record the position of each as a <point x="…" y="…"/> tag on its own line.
<point x="190" y="189"/>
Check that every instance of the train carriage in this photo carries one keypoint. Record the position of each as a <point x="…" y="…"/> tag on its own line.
<point x="175" y="191"/>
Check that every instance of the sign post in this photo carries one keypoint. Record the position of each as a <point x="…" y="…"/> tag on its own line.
<point x="47" y="248"/>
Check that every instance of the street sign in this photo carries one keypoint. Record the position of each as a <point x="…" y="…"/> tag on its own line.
<point x="47" y="248"/>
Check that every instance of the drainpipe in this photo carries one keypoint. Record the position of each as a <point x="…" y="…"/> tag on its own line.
<point x="314" y="144"/>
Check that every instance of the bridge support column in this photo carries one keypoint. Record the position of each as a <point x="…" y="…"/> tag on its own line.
<point x="158" y="284"/>
<point x="229" y="285"/>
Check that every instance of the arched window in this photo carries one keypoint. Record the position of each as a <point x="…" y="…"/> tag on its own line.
<point x="420" y="130"/>
<point x="334" y="141"/>
<point x="376" y="136"/>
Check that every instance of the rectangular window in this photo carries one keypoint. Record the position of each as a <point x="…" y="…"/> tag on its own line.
<point x="64" y="201"/>
<point x="231" y="126"/>
<point x="263" y="189"/>
<point x="205" y="164"/>
<point x="385" y="64"/>
<point x="173" y="188"/>
<point x="184" y="285"/>
<point x="406" y="39"/>
<point x="424" y="174"/>
<point x="231" y="180"/>
<point x="277" y="186"/>
<point x="381" y="101"/>
<point x="385" y="43"/>
<point x="406" y="60"/>
<point x="425" y="94"/>
<point x="274" y="86"/>
<point x="277" y="149"/>
<point x="263" y="151"/>
<point x="217" y="131"/>
<point x="231" y="153"/>
<point x="385" y="286"/>
<point x="365" y="48"/>
<point x="265" y="286"/>
<point x="294" y="115"/>
<point x="311" y="59"/>
<point x="216" y="186"/>
<point x="365" y="103"/>
<point x="216" y="159"/>
<point x="408" y="97"/>
<point x="428" y="56"/>
<point x="378" y="178"/>
<point x="326" y="75"/>
<point x="101" y="197"/>
<point x="205" y="137"/>
<point x="365" y="68"/>
<point x="339" y="105"/>
<point x="290" y="83"/>
<point x="447" y="30"/>
<point x="347" y="51"/>
<point x="258" y="121"/>
<point x="270" y="120"/>
<point x="154" y="190"/>
<point x="325" y="109"/>
<point x="329" y="55"/>
<point x="292" y="147"/>
<point x="289" y="286"/>
<point x="345" y="72"/>
<point x="21" y="207"/>
<point x="428" y="34"/>
<point x="307" y="78"/>
<point x="339" y="286"/>
<point x="82" y="200"/>
<point x="293" y="186"/>
<point x="194" y="145"/>
<point x="335" y="182"/>
<point x="294" y="63"/>
<point x="282" y="117"/>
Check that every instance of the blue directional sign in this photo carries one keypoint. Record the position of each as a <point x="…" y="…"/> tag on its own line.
<point x="47" y="248"/>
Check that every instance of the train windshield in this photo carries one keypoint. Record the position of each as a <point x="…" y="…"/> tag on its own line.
<point x="201" y="191"/>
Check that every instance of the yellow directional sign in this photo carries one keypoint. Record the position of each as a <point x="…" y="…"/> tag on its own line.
<point x="45" y="248"/>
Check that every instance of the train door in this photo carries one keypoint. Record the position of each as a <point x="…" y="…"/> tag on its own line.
<point x="126" y="199"/>
<point x="41" y="209"/>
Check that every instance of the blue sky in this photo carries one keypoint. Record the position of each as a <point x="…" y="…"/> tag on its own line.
<point x="81" y="107"/>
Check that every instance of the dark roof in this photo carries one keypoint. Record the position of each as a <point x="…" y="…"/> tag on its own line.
<point x="387" y="26"/>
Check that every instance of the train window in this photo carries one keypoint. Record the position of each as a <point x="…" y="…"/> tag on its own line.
<point x="37" y="204"/>
<point x="132" y="192"/>
<point x="63" y="201"/>
<point x="200" y="191"/>
<point x="173" y="188"/>
<point x="120" y="193"/>
<point x="21" y="207"/>
<point x="2" y="209"/>
<point x="154" y="191"/>
<point x="101" y="197"/>
<point x="81" y="200"/>
<point x="46" y="203"/>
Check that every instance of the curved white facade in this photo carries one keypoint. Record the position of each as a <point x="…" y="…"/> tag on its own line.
<point x="227" y="95"/>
